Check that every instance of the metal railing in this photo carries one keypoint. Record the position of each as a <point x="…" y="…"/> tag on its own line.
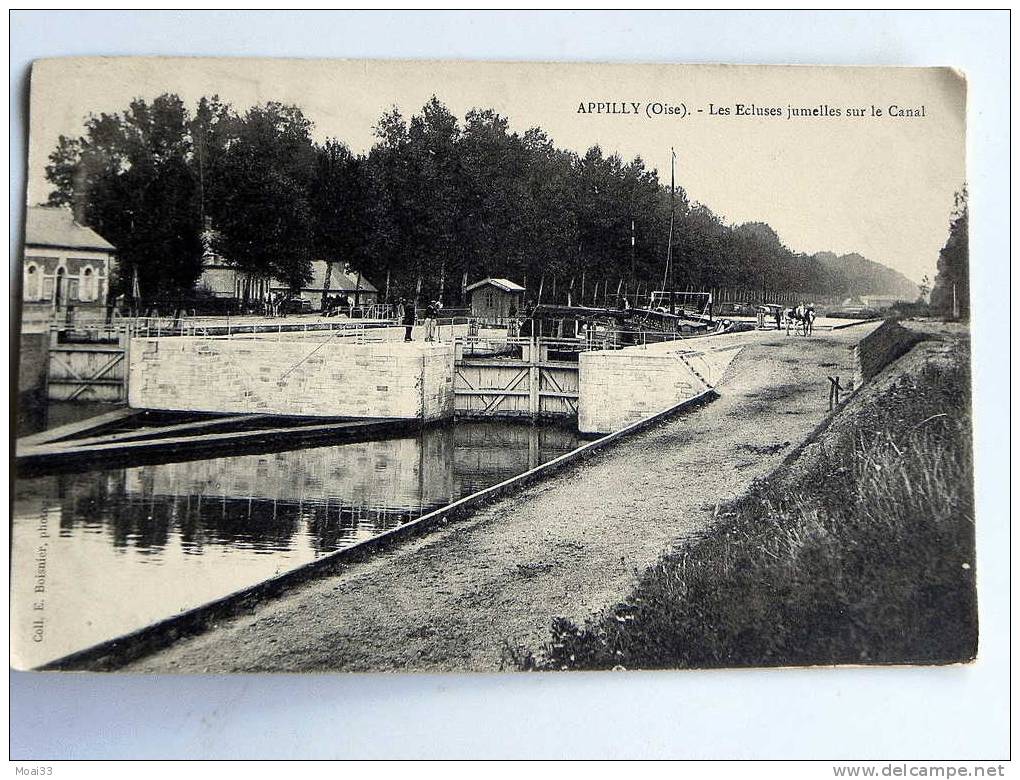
<point x="158" y="327"/>
<point x="358" y="330"/>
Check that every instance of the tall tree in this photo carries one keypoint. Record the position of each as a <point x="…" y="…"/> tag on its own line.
<point x="390" y="203"/>
<point x="432" y="143"/>
<point x="952" y="284"/>
<point x="129" y="177"/>
<point x="260" y="196"/>
<point x="338" y="199"/>
<point x="436" y="202"/>
<point x="213" y="127"/>
<point x="552" y="227"/>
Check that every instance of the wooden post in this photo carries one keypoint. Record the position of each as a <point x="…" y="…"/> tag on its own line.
<point x="834" y="388"/>
<point x="534" y="357"/>
<point x="422" y="383"/>
<point x="125" y="339"/>
<point x="533" y="452"/>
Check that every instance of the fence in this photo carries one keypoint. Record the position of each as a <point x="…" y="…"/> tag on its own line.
<point x="753" y="296"/>
<point x="159" y="327"/>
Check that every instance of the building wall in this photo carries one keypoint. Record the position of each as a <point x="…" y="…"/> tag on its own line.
<point x="33" y="359"/>
<point x="219" y="280"/>
<point x="224" y="281"/>
<point x="314" y="294"/>
<point x="875" y="351"/>
<point x="293" y="377"/>
<point x="492" y="303"/>
<point x="620" y="387"/>
<point x="85" y="276"/>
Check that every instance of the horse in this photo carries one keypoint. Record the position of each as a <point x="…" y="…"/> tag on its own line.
<point x="802" y="318"/>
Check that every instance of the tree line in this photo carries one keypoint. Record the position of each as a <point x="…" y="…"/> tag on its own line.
<point x="950" y="294"/>
<point x="435" y="204"/>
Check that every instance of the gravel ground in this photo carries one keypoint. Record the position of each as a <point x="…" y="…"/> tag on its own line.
<point x="453" y="598"/>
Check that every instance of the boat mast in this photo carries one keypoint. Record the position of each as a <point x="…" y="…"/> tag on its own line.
<point x="669" y="275"/>
<point x="631" y="280"/>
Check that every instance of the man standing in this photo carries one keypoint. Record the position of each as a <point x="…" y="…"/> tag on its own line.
<point x="431" y="313"/>
<point x="408" y="319"/>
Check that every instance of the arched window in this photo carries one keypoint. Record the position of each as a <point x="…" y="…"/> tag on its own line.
<point x="33" y="283"/>
<point x="87" y="287"/>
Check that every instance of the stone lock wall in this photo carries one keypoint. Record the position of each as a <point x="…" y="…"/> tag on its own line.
<point x="390" y="379"/>
<point x="443" y="334"/>
<point x="32" y="362"/>
<point x="876" y="350"/>
<point x="620" y="387"/>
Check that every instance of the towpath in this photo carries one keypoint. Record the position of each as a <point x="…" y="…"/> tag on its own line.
<point x="568" y="546"/>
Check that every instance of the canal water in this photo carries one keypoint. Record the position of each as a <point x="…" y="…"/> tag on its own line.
<point x="104" y="552"/>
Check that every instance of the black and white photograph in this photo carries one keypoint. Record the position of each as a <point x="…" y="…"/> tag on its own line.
<point x="492" y="367"/>
<point x="397" y="372"/>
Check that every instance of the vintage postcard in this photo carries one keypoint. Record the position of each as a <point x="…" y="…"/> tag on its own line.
<point x="480" y="366"/>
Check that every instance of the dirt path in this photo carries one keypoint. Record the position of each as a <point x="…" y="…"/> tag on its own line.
<point x="450" y="599"/>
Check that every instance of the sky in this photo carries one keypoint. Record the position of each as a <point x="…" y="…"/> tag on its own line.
<point x="881" y="186"/>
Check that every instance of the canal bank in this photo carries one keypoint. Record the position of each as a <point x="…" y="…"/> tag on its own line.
<point x="138" y="555"/>
<point x="455" y="598"/>
<point x="859" y="550"/>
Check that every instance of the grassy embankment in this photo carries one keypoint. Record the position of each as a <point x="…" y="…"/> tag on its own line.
<point x="864" y="554"/>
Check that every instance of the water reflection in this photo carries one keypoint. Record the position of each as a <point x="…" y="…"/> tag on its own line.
<point x="128" y="546"/>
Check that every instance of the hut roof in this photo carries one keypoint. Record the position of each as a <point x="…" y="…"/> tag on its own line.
<point x="502" y="284"/>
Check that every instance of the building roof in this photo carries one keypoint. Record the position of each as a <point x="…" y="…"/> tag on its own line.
<point x="55" y="226"/>
<point x="873" y="299"/>
<point x="348" y="280"/>
<point x="340" y="279"/>
<point x="503" y="284"/>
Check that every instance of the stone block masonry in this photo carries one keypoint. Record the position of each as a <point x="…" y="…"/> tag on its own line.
<point x="443" y="334"/>
<point x="875" y="351"/>
<point x="620" y="387"/>
<point x="277" y="375"/>
<point x="32" y="363"/>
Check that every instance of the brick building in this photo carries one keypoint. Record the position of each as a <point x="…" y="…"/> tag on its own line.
<point x="64" y="265"/>
<point x="342" y="280"/>
<point x="221" y="279"/>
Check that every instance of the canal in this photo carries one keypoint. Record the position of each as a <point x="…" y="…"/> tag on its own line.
<point x="107" y="551"/>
